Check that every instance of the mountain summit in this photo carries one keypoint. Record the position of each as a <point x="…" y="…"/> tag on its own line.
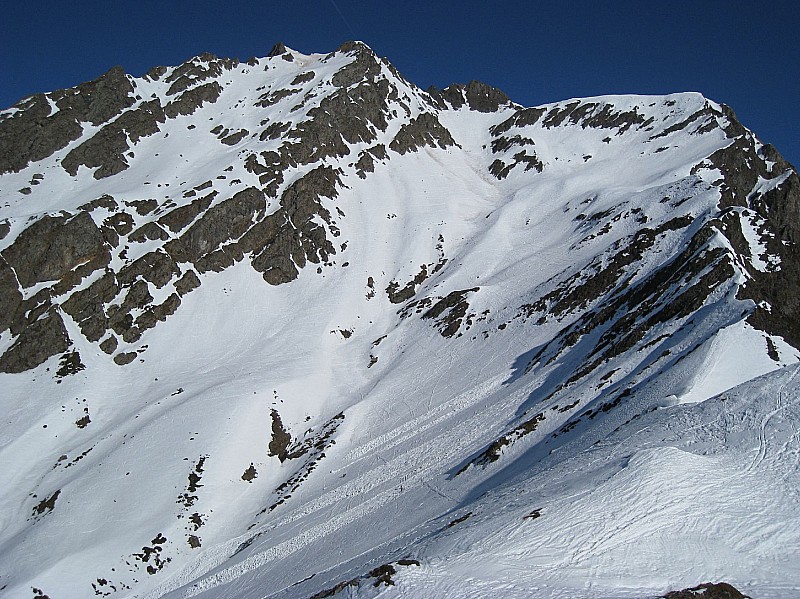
<point x="294" y="327"/>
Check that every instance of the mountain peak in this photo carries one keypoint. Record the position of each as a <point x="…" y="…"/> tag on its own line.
<point x="297" y="324"/>
<point x="354" y="46"/>
<point x="277" y="50"/>
<point x="475" y="94"/>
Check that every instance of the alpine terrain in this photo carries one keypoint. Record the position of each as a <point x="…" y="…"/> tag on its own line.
<point x="294" y="327"/>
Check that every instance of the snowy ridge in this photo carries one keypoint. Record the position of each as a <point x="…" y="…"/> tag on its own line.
<point x="276" y="328"/>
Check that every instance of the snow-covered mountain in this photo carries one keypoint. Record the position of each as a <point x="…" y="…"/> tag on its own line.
<point x="295" y="327"/>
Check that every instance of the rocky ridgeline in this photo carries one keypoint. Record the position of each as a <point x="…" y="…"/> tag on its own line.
<point x="661" y="280"/>
<point x="75" y="263"/>
<point x="58" y="254"/>
<point x="610" y="309"/>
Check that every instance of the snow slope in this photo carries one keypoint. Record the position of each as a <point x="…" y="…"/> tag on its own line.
<point x="531" y="359"/>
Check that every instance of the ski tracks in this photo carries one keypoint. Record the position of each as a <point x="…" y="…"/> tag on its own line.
<point x="405" y="458"/>
<point x="780" y="405"/>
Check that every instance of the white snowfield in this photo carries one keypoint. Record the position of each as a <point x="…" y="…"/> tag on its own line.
<point x="691" y="477"/>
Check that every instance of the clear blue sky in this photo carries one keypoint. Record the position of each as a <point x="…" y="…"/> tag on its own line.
<point x="745" y="54"/>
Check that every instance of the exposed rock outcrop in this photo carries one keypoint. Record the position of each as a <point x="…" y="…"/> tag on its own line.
<point x="36" y="130"/>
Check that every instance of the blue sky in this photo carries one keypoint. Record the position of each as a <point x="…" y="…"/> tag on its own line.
<point x="745" y="54"/>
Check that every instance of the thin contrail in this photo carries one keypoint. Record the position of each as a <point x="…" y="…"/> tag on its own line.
<point x="336" y="6"/>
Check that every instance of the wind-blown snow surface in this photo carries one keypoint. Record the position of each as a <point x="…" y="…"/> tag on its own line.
<point x="672" y="485"/>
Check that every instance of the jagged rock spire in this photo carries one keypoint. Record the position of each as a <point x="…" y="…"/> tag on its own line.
<point x="277" y="50"/>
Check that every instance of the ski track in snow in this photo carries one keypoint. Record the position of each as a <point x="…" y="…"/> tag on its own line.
<point x="675" y="486"/>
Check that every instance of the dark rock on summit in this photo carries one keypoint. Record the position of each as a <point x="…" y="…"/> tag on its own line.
<point x="277" y="50"/>
<point x="105" y="149"/>
<point x="195" y="70"/>
<point x="777" y="302"/>
<point x="100" y="100"/>
<point x="36" y="132"/>
<point x="475" y="94"/>
<point x="366" y="65"/>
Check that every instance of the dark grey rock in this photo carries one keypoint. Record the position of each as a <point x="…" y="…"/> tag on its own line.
<point x="187" y="282"/>
<point x="774" y="292"/>
<point x="104" y="201"/>
<point x="450" y="311"/>
<point x="500" y="169"/>
<point x="366" y="65"/>
<point x="235" y="138"/>
<point x="10" y="296"/>
<point x="475" y="94"/>
<point x="274" y="131"/>
<point x="100" y="100"/>
<point x="31" y="310"/>
<point x="220" y="259"/>
<point x="125" y="358"/>
<point x="504" y="143"/>
<point x="303" y="78"/>
<point x="587" y="116"/>
<point x="280" y="437"/>
<point x="277" y="50"/>
<point x="398" y="295"/>
<point x="86" y="307"/>
<point x="558" y="114"/>
<point x="109" y="345"/>
<point x="365" y="164"/>
<point x="179" y="218"/>
<point x="192" y="99"/>
<point x="70" y="363"/>
<point x="53" y="246"/>
<point x="154" y="314"/>
<point x="485" y="98"/>
<point x="40" y="340"/>
<point x="149" y="231"/>
<point x="224" y="222"/>
<point x="105" y="150"/>
<point x="120" y="222"/>
<point x="273" y="97"/>
<point x="521" y="118"/>
<point x="424" y="130"/>
<point x="143" y="207"/>
<point x="155" y="73"/>
<point x="195" y="70"/>
<point x="286" y="239"/>
<point x="708" y="590"/>
<point x="346" y="117"/>
<point x="157" y="267"/>
<point x="706" y="111"/>
<point x="168" y="307"/>
<point x="34" y="133"/>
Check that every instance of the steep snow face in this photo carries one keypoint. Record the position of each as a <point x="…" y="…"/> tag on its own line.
<point x="292" y="326"/>
<point x="638" y="513"/>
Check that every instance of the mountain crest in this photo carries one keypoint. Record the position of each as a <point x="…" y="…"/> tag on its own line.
<point x="255" y="310"/>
